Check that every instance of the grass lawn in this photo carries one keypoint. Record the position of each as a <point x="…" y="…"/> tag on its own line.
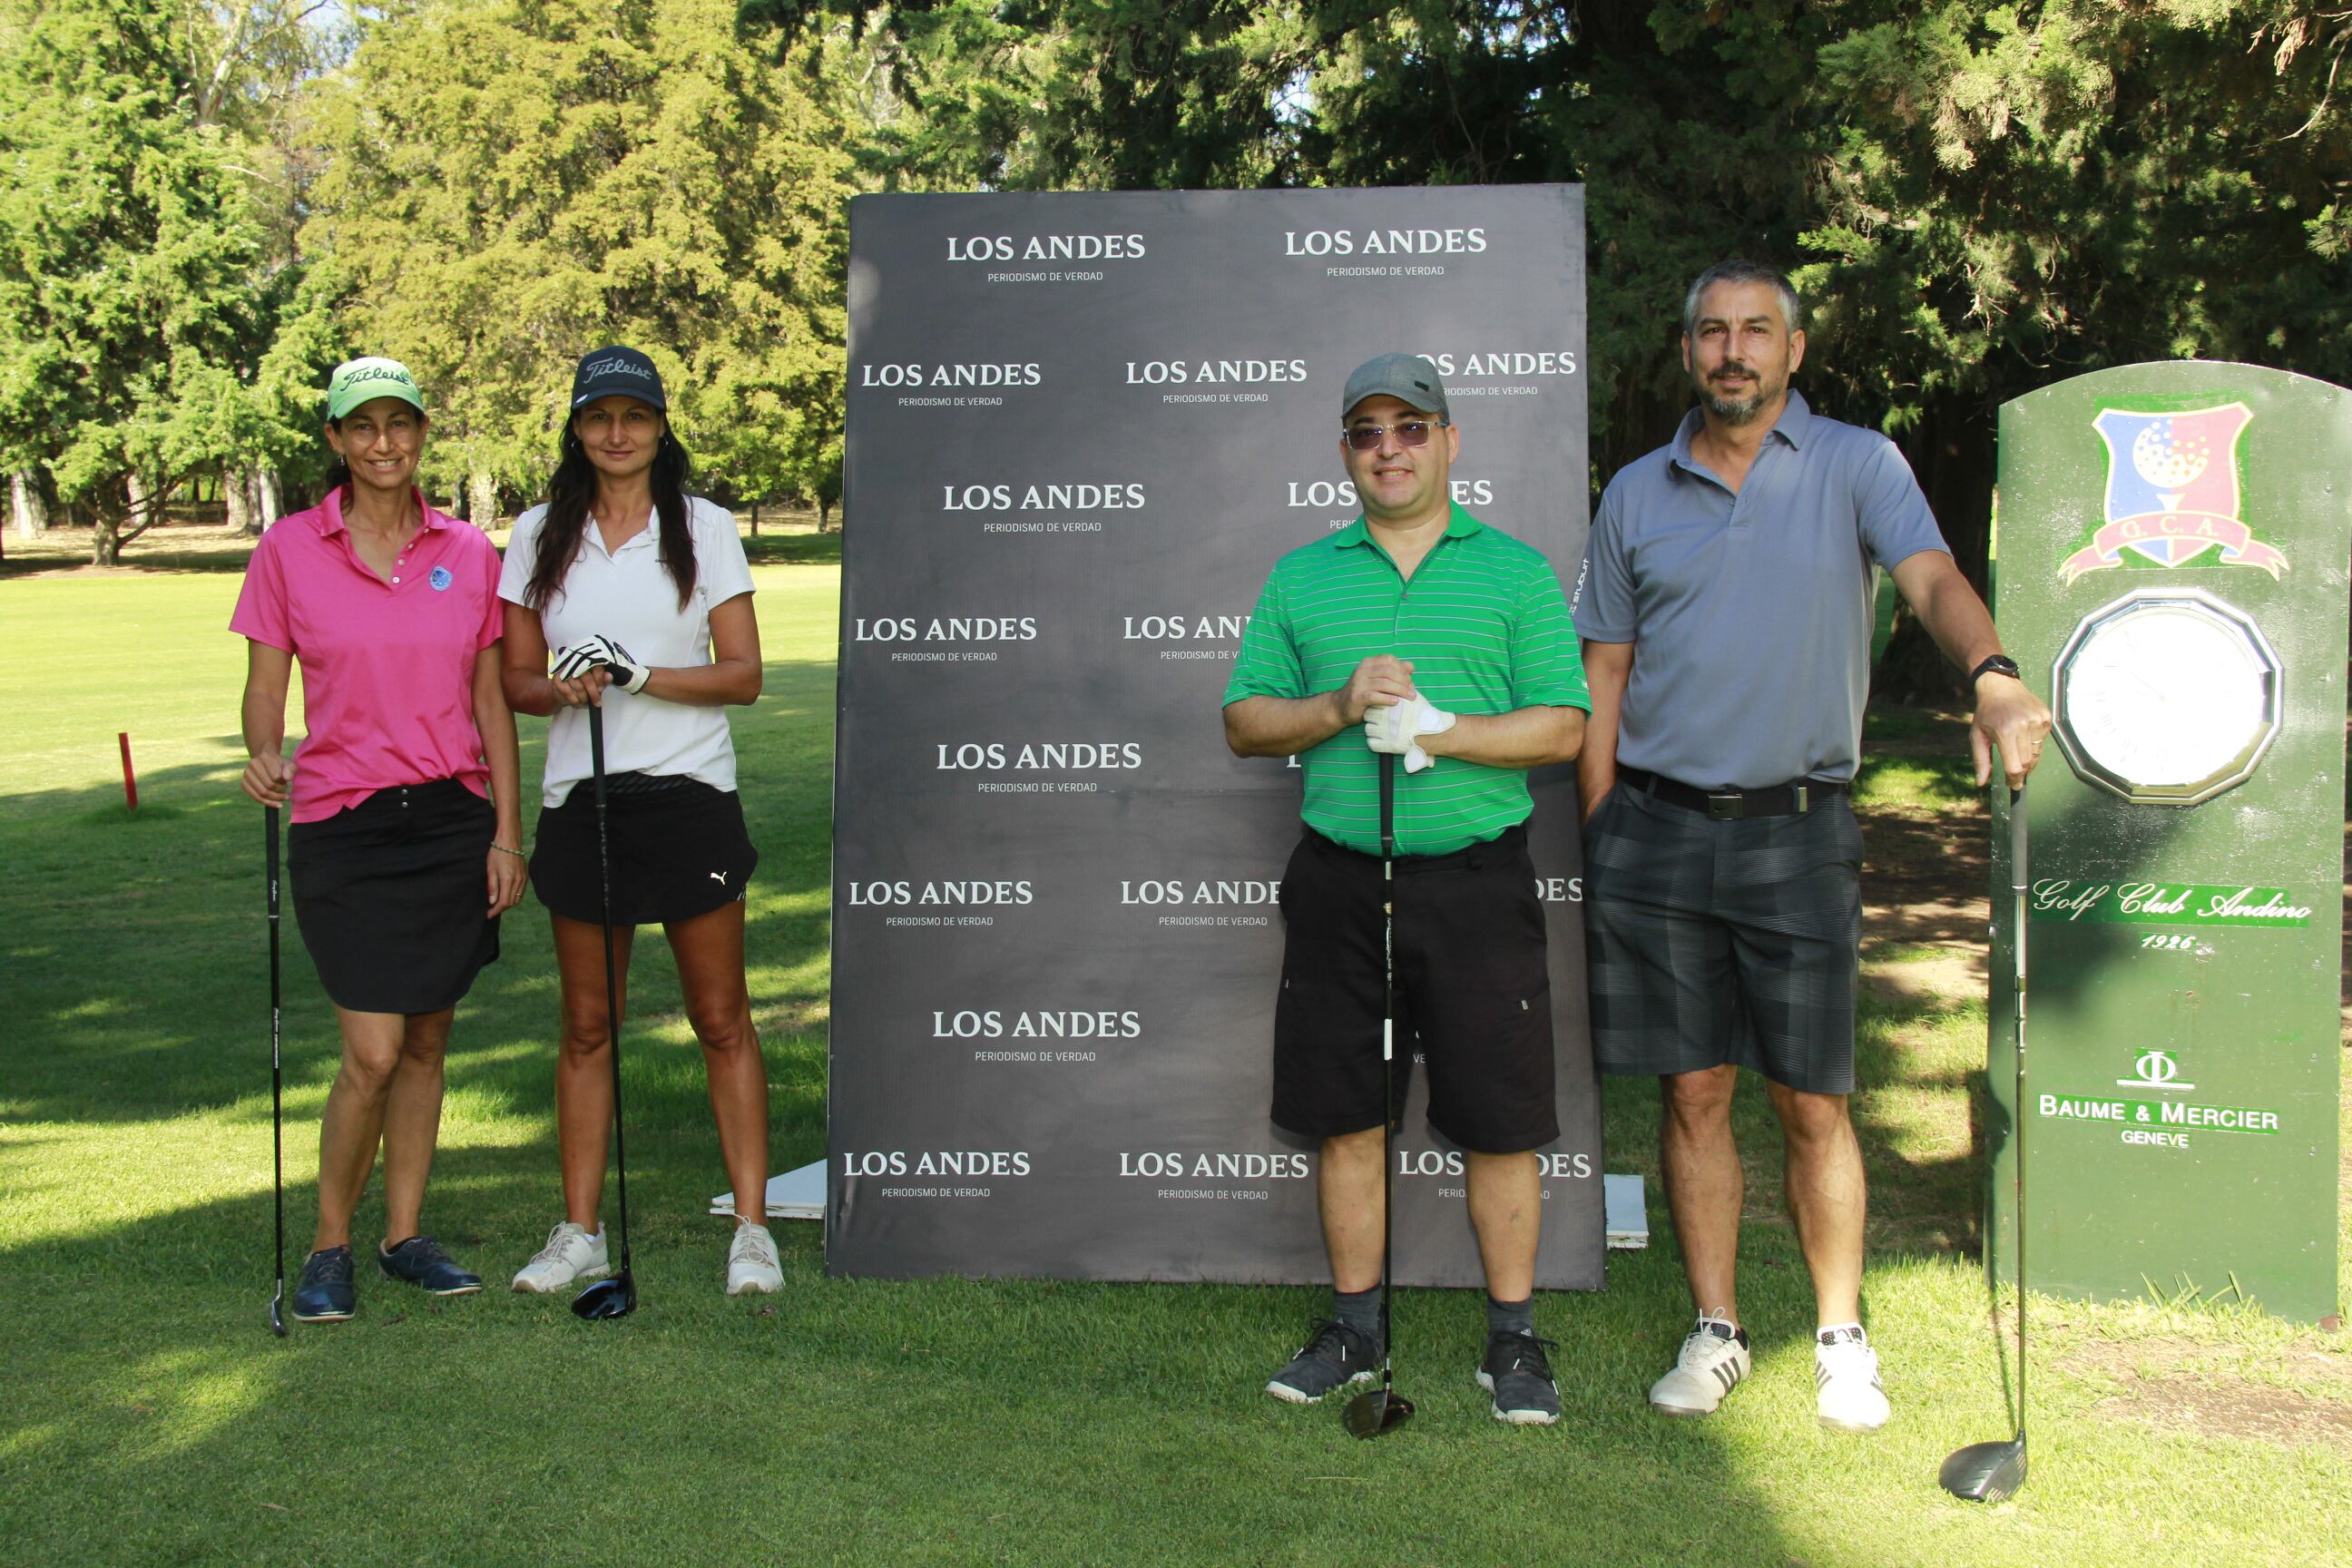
<point x="148" y="1416"/>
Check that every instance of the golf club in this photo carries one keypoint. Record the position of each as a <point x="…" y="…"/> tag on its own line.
<point x="1369" y="1415"/>
<point x="1989" y="1472"/>
<point x="615" y="1297"/>
<point x="276" y="1083"/>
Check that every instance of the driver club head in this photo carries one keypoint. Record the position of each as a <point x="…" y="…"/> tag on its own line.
<point x="614" y="1297"/>
<point x="1985" y="1472"/>
<point x="278" y="1311"/>
<point x="1381" y="1410"/>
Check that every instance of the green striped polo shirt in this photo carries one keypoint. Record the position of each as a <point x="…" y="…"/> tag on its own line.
<point x="1486" y="630"/>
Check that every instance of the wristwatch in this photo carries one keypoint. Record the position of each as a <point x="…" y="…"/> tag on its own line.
<point x="1994" y="664"/>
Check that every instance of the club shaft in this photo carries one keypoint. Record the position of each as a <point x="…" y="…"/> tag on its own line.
<point x="1388" y="1051"/>
<point x="2019" y="882"/>
<point x="277" y="1072"/>
<point x="611" y="979"/>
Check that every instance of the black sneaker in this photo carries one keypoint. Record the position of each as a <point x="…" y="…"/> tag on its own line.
<point x="420" y="1261"/>
<point x="1337" y="1356"/>
<point x="1516" y="1373"/>
<point x="324" y="1294"/>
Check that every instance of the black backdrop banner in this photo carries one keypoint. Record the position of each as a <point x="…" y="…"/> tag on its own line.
<point x="1081" y="428"/>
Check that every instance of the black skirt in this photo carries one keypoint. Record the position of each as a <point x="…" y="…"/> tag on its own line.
<point x="678" y="848"/>
<point x="392" y="897"/>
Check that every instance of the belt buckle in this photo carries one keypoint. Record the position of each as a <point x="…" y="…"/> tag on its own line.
<point x="1729" y="807"/>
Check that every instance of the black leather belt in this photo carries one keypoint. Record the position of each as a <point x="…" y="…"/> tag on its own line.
<point x="1794" y="798"/>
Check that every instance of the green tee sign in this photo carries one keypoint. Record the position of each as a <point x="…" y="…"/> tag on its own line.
<point x="2173" y="552"/>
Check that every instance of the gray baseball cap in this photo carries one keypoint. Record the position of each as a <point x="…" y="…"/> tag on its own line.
<point x="1408" y="378"/>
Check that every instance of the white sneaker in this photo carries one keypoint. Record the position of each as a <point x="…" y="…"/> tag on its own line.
<point x="751" y="1262"/>
<point x="570" y="1254"/>
<point x="1847" y="1393"/>
<point x="1714" y="1359"/>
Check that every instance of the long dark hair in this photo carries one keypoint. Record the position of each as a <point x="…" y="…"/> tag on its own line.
<point x="573" y="490"/>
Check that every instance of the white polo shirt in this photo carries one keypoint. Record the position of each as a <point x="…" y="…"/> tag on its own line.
<point x="629" y="596"/>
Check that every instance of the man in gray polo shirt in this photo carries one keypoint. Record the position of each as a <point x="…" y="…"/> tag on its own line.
<point x="1725" y="608"/>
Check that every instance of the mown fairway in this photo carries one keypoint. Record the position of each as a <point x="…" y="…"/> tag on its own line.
<point x="148" y="1416"/>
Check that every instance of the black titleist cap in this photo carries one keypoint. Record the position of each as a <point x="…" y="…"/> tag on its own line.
<point x="604" y="371"/>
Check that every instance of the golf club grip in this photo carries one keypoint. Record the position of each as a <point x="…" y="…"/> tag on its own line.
<point x="2017" y="821"/>
<point x="269" y="851"/>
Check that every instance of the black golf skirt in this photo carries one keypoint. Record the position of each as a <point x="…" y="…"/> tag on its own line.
<point x="678" y="848"/>
<point x="392" y="900"/>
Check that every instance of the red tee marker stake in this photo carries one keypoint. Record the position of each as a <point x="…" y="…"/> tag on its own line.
<point x="129" y="779"/>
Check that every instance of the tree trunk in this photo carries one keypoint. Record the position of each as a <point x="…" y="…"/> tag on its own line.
<point x="755" y="519"/>
<point x="823" y="514"/>
<point x="237" y="498"/>
<point x="267" y="503"/>
<point x="27" y="509"/>
<point x="481" y="500"/>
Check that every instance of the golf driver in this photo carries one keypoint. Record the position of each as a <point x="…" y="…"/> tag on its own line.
<point x="1369" y="1415"/>
<point x="276" y="1083"/>
<point x="1989" y="1472"/>
<point x="615" y="1297"/>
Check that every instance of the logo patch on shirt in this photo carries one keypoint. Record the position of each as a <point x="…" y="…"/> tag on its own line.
<point x="441" y="579"/>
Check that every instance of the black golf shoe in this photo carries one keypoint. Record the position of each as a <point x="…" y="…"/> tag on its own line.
<point x="1516" y="1373"/>
<point x="1337" y="1356"/>
<point x="324" y="1294"/>
<point x="420" y="1261"/>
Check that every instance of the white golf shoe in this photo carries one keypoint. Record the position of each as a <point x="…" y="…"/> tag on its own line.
<point x="571" y="1255"/>
<point x="1714" y="1359"/>
<point x="751" y="1265"/>
<point x="1847" y="1393"/>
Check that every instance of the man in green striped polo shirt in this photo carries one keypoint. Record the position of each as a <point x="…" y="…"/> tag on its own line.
<point x="1418" y="631"/>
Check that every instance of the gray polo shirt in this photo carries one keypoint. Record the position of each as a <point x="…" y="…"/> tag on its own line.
<point x="1753" y="612"/>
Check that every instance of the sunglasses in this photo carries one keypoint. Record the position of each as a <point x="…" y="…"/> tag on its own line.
<point x="1409" y="433"/>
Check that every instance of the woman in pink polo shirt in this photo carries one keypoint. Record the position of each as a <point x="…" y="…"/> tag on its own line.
<point x="622" y="570"/>
<point x="405" y="845"/>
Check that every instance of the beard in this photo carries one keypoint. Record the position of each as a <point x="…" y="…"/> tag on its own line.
<point x="1739" y="410"/>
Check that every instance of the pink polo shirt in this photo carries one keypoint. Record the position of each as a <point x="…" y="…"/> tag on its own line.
<point x="387" y="667"/>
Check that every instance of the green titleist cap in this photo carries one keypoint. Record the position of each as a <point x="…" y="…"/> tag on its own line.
<point x="1408" y="378"/>
<point x="356" y="381"/>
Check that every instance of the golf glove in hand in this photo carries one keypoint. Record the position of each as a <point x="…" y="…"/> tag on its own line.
<point x="585" y="655"/>
<point x="1397" y="728"/>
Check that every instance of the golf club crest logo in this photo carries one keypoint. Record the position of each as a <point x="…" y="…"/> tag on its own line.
<point x="2173" y="494"/>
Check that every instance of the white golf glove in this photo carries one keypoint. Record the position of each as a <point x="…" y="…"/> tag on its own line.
<point x="1397" y="729"/>
<point x="585" y="655"/>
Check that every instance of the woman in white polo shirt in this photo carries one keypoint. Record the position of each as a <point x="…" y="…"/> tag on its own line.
<point x="653" y="580"/>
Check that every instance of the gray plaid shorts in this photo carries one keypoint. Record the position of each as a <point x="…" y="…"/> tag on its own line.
<point x="1711" y="943"/>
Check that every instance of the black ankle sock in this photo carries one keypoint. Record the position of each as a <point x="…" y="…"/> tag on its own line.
<point x="1510" y="1317"/>
<point x="1360" y="1310"/>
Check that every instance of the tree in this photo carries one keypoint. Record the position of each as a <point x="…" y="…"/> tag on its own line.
<point x="511" y="185"/>
<point x="1977" y="198"/>
<point x="127" y="279"/>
